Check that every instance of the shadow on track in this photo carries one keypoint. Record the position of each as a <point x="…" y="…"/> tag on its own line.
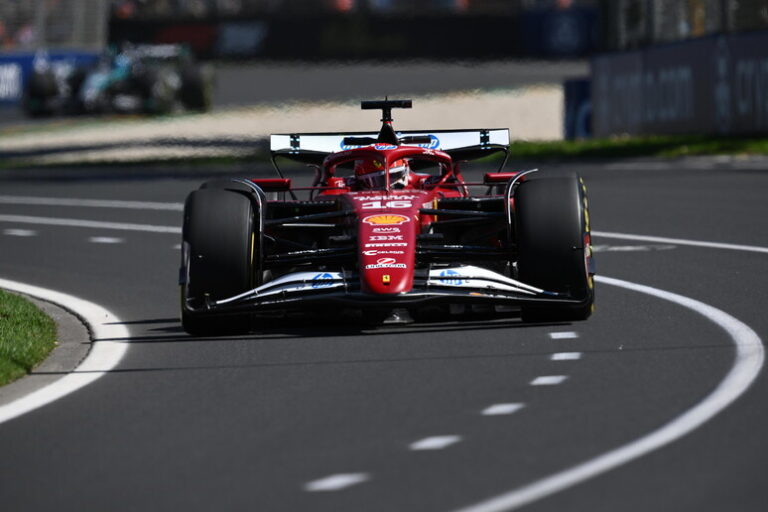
<point x="293" y="328"/>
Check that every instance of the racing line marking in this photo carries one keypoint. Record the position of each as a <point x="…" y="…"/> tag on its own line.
<point x="92" y="203"/>
<point x="563" y="335"/>
<point x="102" y="357"/>
<point x="631" y="248"/>
<point x="549" y="380"/>
<point x="336" y="482"/>
<point x="500" y="409"/>
<point x="80" y="223"/>
<point x="750" y="355"/>
<point x="565" y="356"/>
<point x="679" y="241"/>
<point x="106" y="240"/>
<point x="434" y="443"/>
<point x="19" y="232"/>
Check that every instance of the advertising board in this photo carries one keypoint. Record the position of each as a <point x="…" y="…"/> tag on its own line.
<point x="712" y="85"/>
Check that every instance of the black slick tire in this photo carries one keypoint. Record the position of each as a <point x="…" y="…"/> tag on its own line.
<point x="195" y="92"/>
<point x="219" y="258"/>
<point x="39" y="93"/>
<point x="552" y="234"/>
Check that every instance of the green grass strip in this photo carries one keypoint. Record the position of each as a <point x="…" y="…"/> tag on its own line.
<point x="27" y="335"/>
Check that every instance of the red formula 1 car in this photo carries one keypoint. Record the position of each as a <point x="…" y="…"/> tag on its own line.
<point x="389" y="227"/>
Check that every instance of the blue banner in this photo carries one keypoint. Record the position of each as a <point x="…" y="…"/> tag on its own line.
<point x="15" y="68"/>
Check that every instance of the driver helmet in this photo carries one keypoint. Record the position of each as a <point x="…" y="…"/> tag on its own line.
<point x="370" y="173"/>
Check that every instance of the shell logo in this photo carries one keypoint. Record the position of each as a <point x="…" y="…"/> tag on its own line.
<point x="386" y="220"/>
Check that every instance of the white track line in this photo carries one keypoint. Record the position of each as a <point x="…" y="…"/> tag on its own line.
<point x="565" y="356"/>
<point x="679" y="241"/>
<point x="631" y="248"/>
<point x="434" y="443"/>
<point x="336" y="482"/>
<point x="563" y="335"/>
<point x="106" y="240"/>
<point x="749" y="360"/>
<point x="549" y="380"/>
<point x="91" y="203"/>
<point x="500" y="409"/>
<point x="79" y="223"/>
<point x="19" y="232"/>
<point x="103" y="356"/>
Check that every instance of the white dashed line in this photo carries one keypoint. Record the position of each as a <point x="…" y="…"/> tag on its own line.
<point x="563" y="335"/>
<point x="549" y="380"/>
<point x="565" y="356"/>
<point x="749" y="359"/>
<point x="80" y="223"/>
<point x="106" y="240"/>
<point x="19" y="232"/>
<point x="435" y="442"/>
<point x="499" y="409"/>
<point x="92" y="203"/>
<point x="336" y="482"/>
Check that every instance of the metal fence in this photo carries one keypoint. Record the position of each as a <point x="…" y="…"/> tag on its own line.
<point x="629" y="24"/>
<point x="53" y="24"/>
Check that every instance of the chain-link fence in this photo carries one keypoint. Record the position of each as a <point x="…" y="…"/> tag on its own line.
<point x="53" y="24"/>
<point x="632" y="24"/>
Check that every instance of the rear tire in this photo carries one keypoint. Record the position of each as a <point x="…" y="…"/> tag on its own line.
<point x="221" y="251"/>
<point x="552" y="228"/>
<point x="155" y="90"/>
<point x="195" y="93"/>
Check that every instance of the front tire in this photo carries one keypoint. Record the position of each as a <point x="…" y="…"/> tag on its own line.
<point x="219" y="258"/>
<point x="40" y="93"/>
<point x="553" y="240"/>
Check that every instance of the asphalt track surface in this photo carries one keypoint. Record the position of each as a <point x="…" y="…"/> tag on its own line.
<point x="261" y="422"/>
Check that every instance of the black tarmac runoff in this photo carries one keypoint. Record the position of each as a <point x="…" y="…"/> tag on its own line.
<point x="657" y="402"/>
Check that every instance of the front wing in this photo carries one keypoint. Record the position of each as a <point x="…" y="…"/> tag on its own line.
<point x="305" y="290"/>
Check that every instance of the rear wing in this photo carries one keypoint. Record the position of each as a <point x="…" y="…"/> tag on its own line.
<point x="460" y="144"/>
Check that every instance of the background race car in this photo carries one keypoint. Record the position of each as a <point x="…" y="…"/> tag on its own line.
<point x="153" y="79"/>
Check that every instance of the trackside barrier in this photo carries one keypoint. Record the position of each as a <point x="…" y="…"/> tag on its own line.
<point x="545" y="33"/>
<point x="16" y="68"/>
<point x="712" y="85"/>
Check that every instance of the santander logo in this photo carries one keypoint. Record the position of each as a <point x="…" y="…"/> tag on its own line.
<point x="385" y="263"/>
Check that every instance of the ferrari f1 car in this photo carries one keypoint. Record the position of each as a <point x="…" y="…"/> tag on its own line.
<point x="388" y="225"/>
